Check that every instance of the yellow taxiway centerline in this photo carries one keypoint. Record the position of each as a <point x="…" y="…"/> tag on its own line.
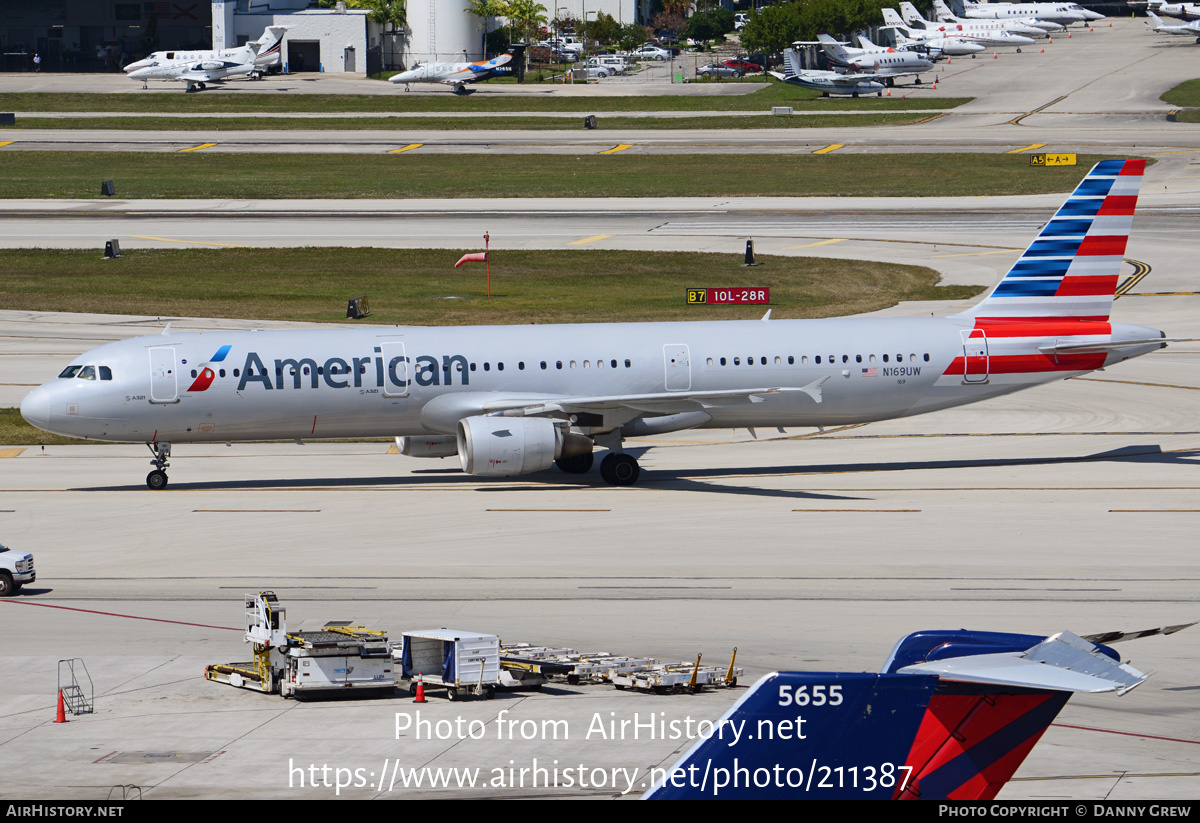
<point x="197" y="242"/>
<point x="829" y="148"/>
<point x="1030" y="147"/>
<point x="820" y="243"/>
<point x="197" y="148"/>
<point x="409" y="147"/>
<point x="617" y="148"/>
<point x="7" y="142"/>
<point x="587" y="240"/>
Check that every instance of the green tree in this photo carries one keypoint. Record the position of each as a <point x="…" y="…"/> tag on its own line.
<point x="604" y="29"/>
<point x="632" y="36"/>
<point x="526" y="17"/>
<point x="485" y="10"/>
<point x="380" y="11"/>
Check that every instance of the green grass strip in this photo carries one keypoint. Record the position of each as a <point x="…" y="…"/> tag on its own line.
<point x="233" y="99"/>
<point x="422" y="287"/>
<point x="207" y="174"/>
<point x="215" y="125"/>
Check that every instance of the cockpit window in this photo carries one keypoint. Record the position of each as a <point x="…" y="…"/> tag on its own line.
<point x="70" y="371"/>
<point x="87" y="373"/>
<point x="105" y="373"/>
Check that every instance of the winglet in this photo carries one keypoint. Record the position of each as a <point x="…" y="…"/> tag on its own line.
<point x="167" y="328"/>
<point x="766" y="316"/>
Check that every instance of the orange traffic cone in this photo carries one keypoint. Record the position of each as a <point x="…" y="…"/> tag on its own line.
<point x="420" y="696"/>
<point x="889" y="92"/>
<point x="935" y="86"/>
<point x="995" y="56"/>
<point x="61" y="717"/>
<point x="1068" y="35"/>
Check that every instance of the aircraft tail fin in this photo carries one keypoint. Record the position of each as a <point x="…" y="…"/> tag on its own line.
<point x="1157" y="20"/>
<point x="1070" y="271"/>
<point x="941" y="11"/>
<point x="791" y="62"/>
<point x="951" y="717"/>
<point x="911" y="16"/>
<point x="269" y="45"/>
<point x="891" y="18"/>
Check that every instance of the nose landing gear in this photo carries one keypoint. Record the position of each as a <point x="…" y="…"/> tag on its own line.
<point x="157" y="479"/>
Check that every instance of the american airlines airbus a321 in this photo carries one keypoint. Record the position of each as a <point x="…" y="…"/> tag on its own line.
<point x="510" y="400"/>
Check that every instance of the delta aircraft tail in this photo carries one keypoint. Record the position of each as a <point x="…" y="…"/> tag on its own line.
<point x="951" y="717"/>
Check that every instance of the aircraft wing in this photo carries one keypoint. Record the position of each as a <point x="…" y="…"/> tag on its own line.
<point x="657" y="403"/>
<point x="1118" y="636"/>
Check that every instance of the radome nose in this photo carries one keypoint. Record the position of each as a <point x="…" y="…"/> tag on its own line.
<point x="35" y="408"/>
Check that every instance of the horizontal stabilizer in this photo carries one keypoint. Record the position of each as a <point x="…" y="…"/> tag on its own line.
<point x="1117" y="637"/>
<point x="1064" y="662"/>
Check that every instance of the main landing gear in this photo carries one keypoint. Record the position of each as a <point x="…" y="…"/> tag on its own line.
<point x="157" y="479"/>
<point x="617" y="468"/>
<point x="620" y="469"/>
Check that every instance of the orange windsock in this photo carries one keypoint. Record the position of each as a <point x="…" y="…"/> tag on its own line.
<point x="477" y="257"/>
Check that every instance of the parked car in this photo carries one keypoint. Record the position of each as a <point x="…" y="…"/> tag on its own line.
<point x="743" y="64"/>
<point x="719" y="70"/>
<point x="651" y="53"/>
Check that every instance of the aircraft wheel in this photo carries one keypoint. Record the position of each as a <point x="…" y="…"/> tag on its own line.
<point x="579" y="464"/>
<point x="620" y="470"/>
<point x="1018" y="49"/>
<point x="855" y="95"/>
<point x="157" y="479"/>
<point x="918" y="81"/>
<point x="879" y="94"/>
<point x="202" y="86"/>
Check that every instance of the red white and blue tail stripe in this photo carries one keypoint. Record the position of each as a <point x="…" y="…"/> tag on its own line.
<point x="1071" y="270"/>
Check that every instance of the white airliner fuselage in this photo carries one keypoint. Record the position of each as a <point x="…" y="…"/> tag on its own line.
<point x="510" y="400"/>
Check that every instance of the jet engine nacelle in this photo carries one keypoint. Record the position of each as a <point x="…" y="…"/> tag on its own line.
<point x="427" y="446"/>
<point x="504" y="446"/>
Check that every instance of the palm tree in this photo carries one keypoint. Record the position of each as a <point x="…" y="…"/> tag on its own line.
<point x="528" y="15"/>
<point x="485" y="10"/>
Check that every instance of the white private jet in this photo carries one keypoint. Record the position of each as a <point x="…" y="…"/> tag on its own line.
<point x="1028" y="26"/>
<point x="935" y="48"/>
<point x="199" y="68"/>
<point x="510" y="400"/>
<point x="457" y="75"/>
<point x="1188" y="12"/>
<point x="1064" y="13"/>
<point x="989" y="33"/>
<point x="827" y="82"/>
<point x="1188" y="29"/>
<point x="880" y="63"/>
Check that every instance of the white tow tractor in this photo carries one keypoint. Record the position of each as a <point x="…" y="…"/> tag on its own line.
<point x="333" y="659"/>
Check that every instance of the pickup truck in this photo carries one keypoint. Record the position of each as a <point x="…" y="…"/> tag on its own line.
<point x="16" y="569"/>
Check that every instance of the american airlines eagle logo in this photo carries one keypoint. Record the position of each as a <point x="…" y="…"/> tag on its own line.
<point x="205" y="378"/>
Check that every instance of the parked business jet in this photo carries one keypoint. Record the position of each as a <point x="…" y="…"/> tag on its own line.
<point x="1028" y="26"/>
<point x="951" y="716"/>
<point x="457" y="75"/>
<point x="1188" y="12"/>
<point x="198" y="68"/>
<point x="1064" y="13"/>
<point x="990" y="33"/>
<point x="509" y="400"/>
<point x="1188" y="29"/>
<point x="937" y="43"/>
<point x="879" y="64"/>
<point x="827" y="82"/>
